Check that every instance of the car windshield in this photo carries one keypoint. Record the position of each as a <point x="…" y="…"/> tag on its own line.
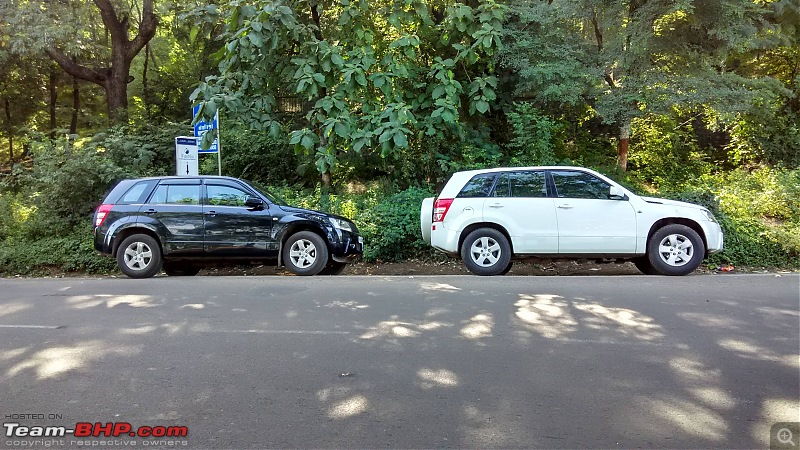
<point x="266" y="193"/>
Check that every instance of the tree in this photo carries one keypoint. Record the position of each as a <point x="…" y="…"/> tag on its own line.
<point x="68" y="32"/>
<point x="377" y="75"/>
<point x="628" y="57"/>
<point x="114" y="77"/>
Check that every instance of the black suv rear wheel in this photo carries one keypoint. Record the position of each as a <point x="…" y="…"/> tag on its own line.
<point x="139" y="256"/>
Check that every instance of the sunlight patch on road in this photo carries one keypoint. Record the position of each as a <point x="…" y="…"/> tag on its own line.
<point x="193" y="306"/>
<point x="712" y="320"/>
<point x="398" y="329"/>
<point x="349" y="407"/>
<point x="714" y="397"/>
<point x="478" y="327"/>
<point x="437" y="378"/>
<point x="351" y="305"/>
<point x="12" y="308"/>
<point x="548" y="314"/>
<point x="621" y="320"/>
<point x="138" y="330"/>
<point x="750" y="350"/>
<point x="687" y="417"/>
<point x="444" y="287"/>
<point x="51" y="362"/>
<point x="110" y="301"/>
<point x="774" y="410"/>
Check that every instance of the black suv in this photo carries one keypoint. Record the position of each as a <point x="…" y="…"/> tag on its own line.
<point x="185" y="223"/>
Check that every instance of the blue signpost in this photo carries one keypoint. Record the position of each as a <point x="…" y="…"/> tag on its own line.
<point x="201" y="128"/>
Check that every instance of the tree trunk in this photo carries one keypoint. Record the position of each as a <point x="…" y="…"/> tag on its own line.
<point x="622" y="146"/>
<point x="51" y="87"/>
<point x="8" y="132"/>
<point x="76" y="106"/>
<point x="117" y="92"/>
<point x="145" y="86"/>
<point x="115" y="78"/>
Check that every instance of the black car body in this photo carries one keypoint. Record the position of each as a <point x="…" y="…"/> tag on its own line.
<point x="185" y="223"/>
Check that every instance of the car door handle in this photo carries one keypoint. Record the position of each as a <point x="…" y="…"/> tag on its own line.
<point x="496" y="205"/>
<point x="150" y="211"/>
<point x="211" y="213"/>
<point x="565" y="206"/>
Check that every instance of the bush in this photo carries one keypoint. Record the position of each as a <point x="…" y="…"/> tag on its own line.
<point x="391" y="229"/>
<point x="74" y="251"/>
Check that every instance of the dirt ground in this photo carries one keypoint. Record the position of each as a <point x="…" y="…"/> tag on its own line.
<point x="456" y="267"/>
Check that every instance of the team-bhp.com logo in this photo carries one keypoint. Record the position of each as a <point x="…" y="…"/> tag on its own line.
<point x="97" y="429"/>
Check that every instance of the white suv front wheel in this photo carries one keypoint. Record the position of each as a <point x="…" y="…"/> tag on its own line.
<point x="486" y="251"/>
<point x="675" y="250"/>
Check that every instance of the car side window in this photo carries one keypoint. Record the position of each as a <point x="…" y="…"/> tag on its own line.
<point x="571" y="184"/>
<point x="225" y="195"/>
<point x="478" y="186"/>
<point x="137" y="193"/>
<point x="501" y="188"/>
<point x="176" y="194"/>
<point x="528" y="184"/>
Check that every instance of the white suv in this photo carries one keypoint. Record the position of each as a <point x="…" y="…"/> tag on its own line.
<point x="489" y="216"/>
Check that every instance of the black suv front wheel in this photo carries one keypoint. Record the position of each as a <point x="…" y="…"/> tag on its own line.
<point x="139" y="256"/>
<point x="305" y="253"/>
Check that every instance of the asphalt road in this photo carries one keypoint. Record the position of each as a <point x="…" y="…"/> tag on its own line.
<point x="406" y="362"/>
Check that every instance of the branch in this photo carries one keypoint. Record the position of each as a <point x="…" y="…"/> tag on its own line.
<point x="597" y="33"/>
<point x="77" y="70"/>
<point x="119" y="32"/>
<point x="147" y="30"/>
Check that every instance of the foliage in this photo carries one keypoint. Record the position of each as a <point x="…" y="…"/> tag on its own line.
<point x="758" y="212"/>
<point x="667" y="152"/>
<point x="392" y="228"/>
<point x="66" y="184"/>
<point x="398" y="71"/>
<point x="533" y="136"/>
<point x="144" y="150"/>
<point x="71" y="252"/>
<point x="253" y="155"/>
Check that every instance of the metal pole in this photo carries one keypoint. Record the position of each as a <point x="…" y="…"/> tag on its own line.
<point x="219" y="146"/>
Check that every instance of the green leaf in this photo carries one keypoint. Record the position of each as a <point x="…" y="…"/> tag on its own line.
<point x="307" y="142"/>
<point x="482" y="106"/>
<point x="337" y="59"/>
<point x="342" y="130"/>
<point x="400" y="140"/>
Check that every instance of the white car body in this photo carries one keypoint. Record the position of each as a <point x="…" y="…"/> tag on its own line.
<point x="555" y="225"/>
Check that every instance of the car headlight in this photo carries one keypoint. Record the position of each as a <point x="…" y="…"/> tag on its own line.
<point x="341" y="224"/>
<point x="709" y="215"/>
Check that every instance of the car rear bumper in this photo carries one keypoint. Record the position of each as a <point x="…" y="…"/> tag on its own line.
<point x="443" y="239"/>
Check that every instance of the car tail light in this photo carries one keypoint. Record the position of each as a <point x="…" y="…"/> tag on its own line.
<point x="102" y="213"/>
<point x="440" y="207"/>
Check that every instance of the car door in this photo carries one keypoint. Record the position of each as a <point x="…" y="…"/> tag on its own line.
<point x="521" y="205"/>
<point x="175" y="212"/>
<point x="233" y="229"/>
<point x="589" y="221"/>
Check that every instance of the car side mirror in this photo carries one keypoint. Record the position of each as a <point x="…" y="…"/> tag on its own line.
<point x="254" y="202"/>
<point x="615" y="193"/>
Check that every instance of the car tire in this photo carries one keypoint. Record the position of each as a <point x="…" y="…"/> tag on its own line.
<point x="643" y="264"/>
<point x="486" y="252"/>
<point x="675" y="250"/>
<point x="180" y="270"/>
<point x="139" y="256"/>
<point x="305" y="253"/>
<point x="507" y="269"/>
<point x="334" y="268"/>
